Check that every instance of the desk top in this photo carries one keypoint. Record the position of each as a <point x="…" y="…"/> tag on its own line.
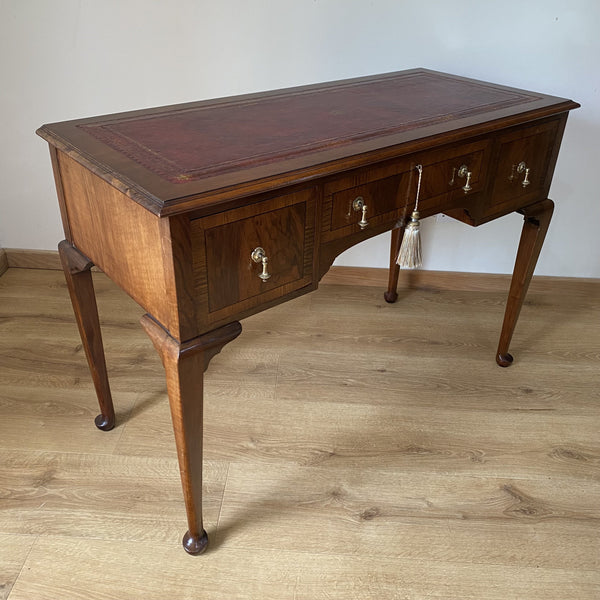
<point x="187" y="156"/>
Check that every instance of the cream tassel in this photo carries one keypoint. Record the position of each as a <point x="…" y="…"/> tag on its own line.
<point x="410" y="249"/>
<point x="409" y="256"/>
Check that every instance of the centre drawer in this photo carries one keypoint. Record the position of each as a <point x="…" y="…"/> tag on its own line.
<point x="380" y="191"/>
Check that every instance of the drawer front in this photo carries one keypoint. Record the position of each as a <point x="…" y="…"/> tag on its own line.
<point x="523" y="152"/>
<point x="382" y="190"/>
<point x="227" y="278"/>
<point x="445" y="174"/>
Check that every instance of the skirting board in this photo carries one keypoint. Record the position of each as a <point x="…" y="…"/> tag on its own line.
<point x="337" y="275"/>
<point x="453" y="280"/>
<point x="3" y="261"/>
<point x="33" y="259"/>
<point x="438" y="280"/>
<point x="23" y="258"/>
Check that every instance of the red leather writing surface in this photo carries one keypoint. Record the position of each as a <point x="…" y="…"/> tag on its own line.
<point x="184" y="144"/>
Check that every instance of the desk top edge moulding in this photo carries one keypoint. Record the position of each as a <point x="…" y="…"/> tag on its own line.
<point x="260" y="141"/>
<point x="208" y="212"/>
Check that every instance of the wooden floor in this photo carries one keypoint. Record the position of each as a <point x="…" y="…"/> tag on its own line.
<point x="354" y="449"/>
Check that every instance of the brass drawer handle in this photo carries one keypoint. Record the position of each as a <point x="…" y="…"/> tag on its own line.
<point x="523" y="167"/>
<point x="520" y="168"/>
<point x="463" y="171"/>
<point x="258" y="256"/>
<point x="359" y="204"/>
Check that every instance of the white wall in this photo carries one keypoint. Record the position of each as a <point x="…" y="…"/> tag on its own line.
<point x="63" y="59"/>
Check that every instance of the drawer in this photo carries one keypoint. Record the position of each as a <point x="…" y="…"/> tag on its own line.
<point x="445" y="173"/>
<point x="383" y="190"/>
<point x="227" y="279"/>
<point x="524" y="152"/>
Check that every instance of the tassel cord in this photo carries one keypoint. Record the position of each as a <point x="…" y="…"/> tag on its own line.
<point x="420" y="169"/>
<point x="409" y="256"/>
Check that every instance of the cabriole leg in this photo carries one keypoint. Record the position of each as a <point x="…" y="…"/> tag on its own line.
<point x="185" y="364"/>
<point x="537" y="220"/>
<point x="77" y="271"/>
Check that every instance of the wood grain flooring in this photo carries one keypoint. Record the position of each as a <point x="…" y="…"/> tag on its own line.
<point x="353" y="449"/>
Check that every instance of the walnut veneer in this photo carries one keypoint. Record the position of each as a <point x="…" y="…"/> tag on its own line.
<point x="171" y="203"/>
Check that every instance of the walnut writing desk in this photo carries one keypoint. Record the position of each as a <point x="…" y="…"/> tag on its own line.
<point x="205" y="213"/>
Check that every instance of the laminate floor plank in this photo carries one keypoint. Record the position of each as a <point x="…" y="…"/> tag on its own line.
<point x="445" y="516"/>
<point x="14" y="549"/>
<point x="47" y="417"/>
<point x="392" y="435"/>
<point x="100" y="496"/>
<point x="101" y="570"/>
